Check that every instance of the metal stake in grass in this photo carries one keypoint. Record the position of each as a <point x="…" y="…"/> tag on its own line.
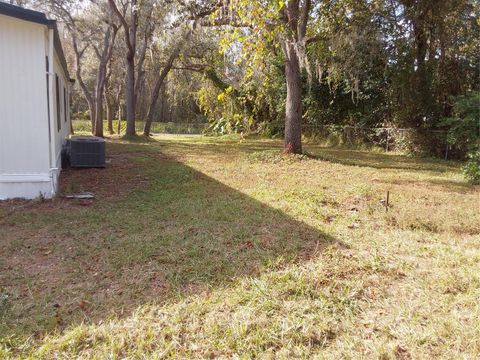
<point x="388" y="201"/>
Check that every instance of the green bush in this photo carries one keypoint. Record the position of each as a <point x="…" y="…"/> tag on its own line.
<point x="471" y="170"/>
<point x="463" y="133"/>
<point x="224" y="126"/>
<point x="463" y="128"/>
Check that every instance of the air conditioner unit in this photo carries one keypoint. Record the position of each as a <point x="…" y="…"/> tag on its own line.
<point x="86" y="151"/>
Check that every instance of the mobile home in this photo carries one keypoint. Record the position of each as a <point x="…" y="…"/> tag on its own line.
<point x="34" y="103"/>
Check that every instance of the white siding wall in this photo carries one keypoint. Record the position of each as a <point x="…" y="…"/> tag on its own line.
<point x="24" y="138"/>
<point x="64" y="112"/>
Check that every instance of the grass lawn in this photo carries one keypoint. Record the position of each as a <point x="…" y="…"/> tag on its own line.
<point x="202" y="247"/>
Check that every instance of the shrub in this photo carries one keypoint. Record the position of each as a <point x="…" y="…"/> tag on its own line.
<point x="224" y="126"/>
<point x="463" y="128"/>
<point x="471" y="170"/>
<point x="463" y="132"/>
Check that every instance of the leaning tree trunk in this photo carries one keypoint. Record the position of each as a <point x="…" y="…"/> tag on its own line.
<point x="154" y="98"/>
<point x="293" y="110"/>
<point x="151" y="109"/>
<point x="156" y="90"/>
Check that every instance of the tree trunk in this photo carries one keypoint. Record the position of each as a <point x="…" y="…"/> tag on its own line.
<point x="130" y="97"/>
<point x="130" y="32"/>
<point x="158" y="84"/>
<point x="119" y="126"/>
<point x="91" y="110"/>
<point x="100" y="89"/>
<point x="109" y="108"/>
<point x="98" y="129"/>
<point x="95" y="100"/>
<point x="150" y="26"/>
<point x="151" y="107"/>
<point x="119" y="103"/>
<point x="421" y="83"/>
<point x="78" y="72"/>
<point x="296" y="15"/>
<point x="153" y="101"/>
<point x="293" y="110"/>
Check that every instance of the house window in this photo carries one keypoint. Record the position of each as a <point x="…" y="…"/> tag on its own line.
<point x="65" y="104"/>
<point x="57" y="96"/>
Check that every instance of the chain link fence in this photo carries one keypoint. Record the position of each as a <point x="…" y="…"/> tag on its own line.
<point x="84" y="126"/>
<point x="387" y="138"/>
<point x="178" y="128"/>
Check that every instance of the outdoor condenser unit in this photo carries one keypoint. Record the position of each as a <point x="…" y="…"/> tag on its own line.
<point x="86" y="151"/>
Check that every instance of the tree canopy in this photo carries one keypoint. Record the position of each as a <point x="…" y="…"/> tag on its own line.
<point x="273" y="67"/>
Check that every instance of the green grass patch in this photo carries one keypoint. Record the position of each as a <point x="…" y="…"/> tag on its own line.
<point x="223" y="247"/>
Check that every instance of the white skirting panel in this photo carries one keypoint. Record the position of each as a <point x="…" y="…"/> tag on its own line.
<point x="28" y="186"/>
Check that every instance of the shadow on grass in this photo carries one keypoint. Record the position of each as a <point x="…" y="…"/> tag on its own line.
<point x="460" y="187"/>
<point x="381" y="160"/>
<point x="363" y="158"/>
<point x="172" y="233"/>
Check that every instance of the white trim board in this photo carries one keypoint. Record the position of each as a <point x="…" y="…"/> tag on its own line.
<point x="24" y="178"/>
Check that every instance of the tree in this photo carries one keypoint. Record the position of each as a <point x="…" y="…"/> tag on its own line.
<point x="104" y="55"/>
<point x="376" y="63"/>
<point x="129" y="23"/>
<point x="187" y="15"/>
<point x="94" y="29"/>
<point x="275" y="23"/>
<point x="295" y="15"/>
<point x="160" y="78"/>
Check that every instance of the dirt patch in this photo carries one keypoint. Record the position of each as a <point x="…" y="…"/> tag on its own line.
<point x="120" y="176"/>
<point x="116" y="179"/>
